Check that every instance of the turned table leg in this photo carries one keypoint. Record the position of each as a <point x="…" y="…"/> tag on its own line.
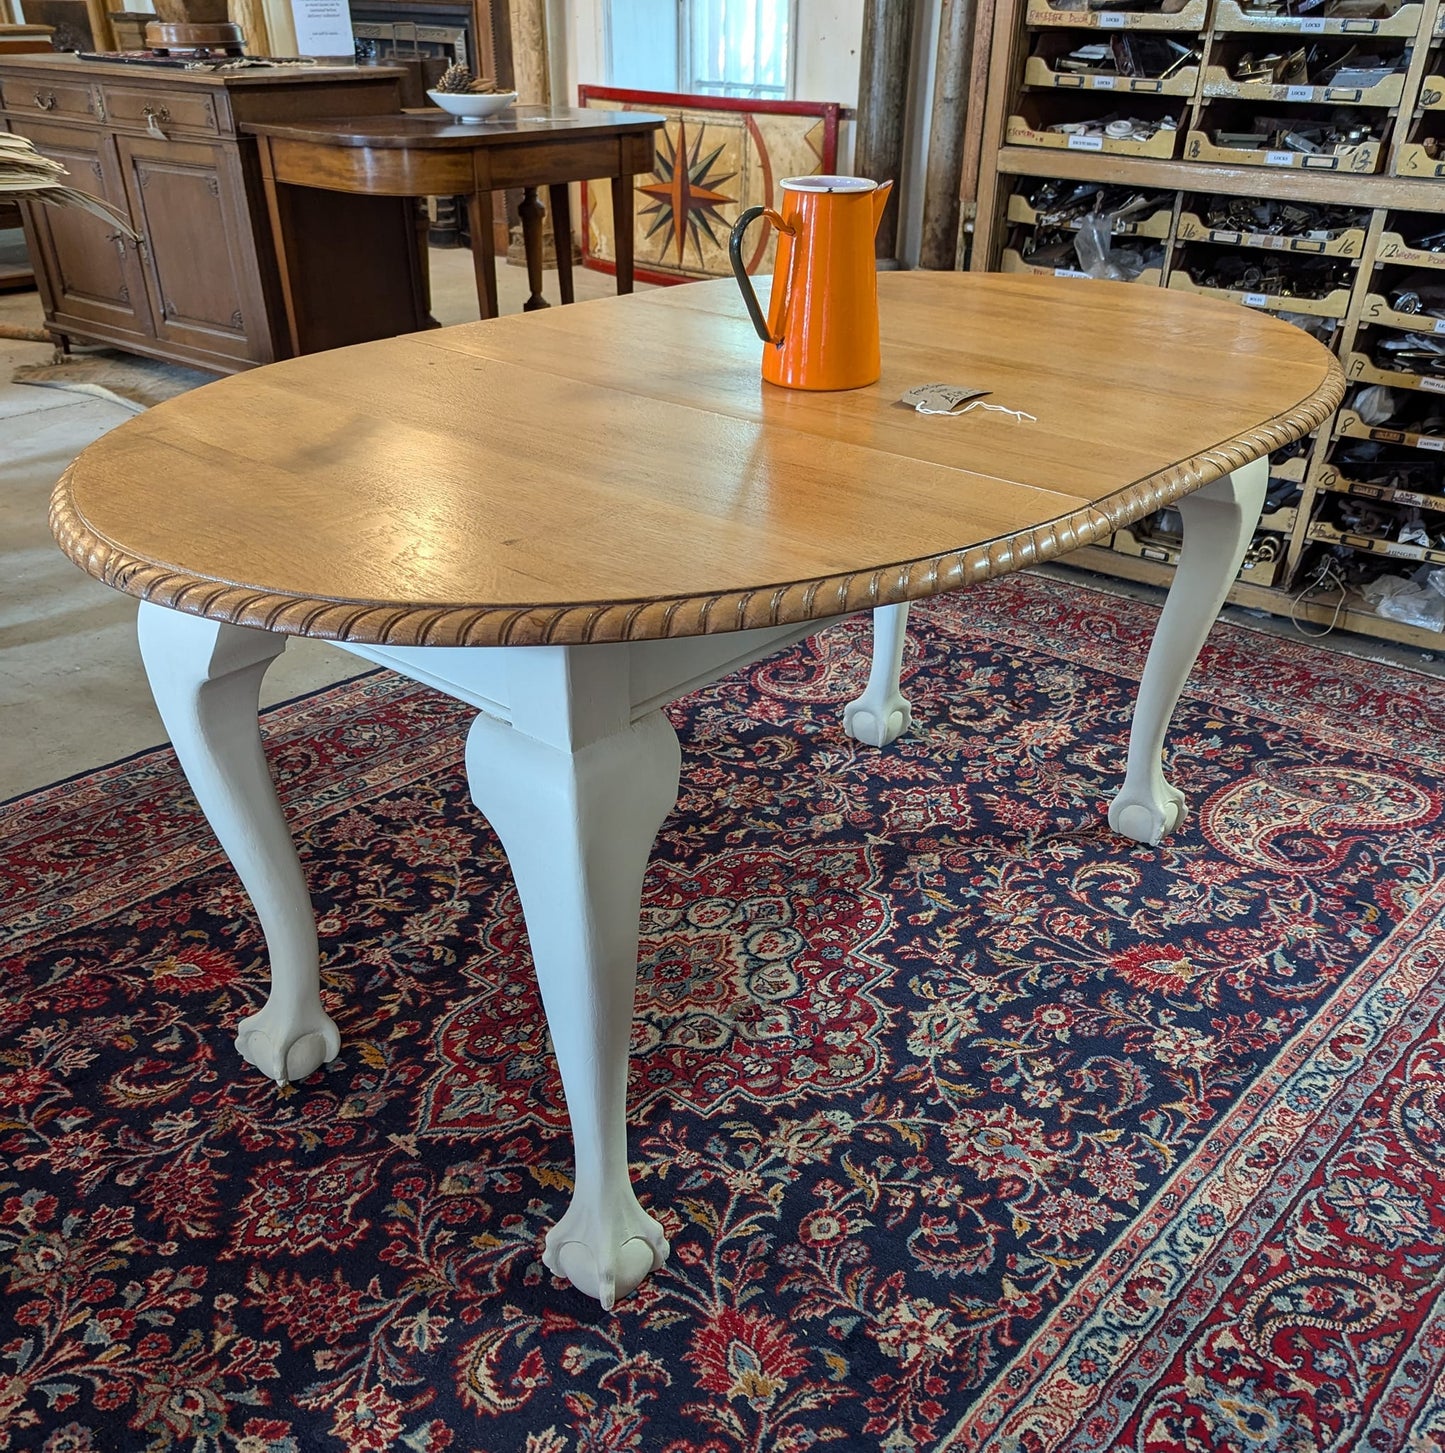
<point x="533" y="244"/>
<point x="881" y="714"/>
<point x="1218" y="522"/>
<point x="206" y="680"/>
<point x="576" y="792"/>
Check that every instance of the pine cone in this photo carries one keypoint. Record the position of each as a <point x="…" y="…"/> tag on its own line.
<point x="455" y="81"/>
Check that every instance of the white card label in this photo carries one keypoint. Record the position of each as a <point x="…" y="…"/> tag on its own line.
<point x="1299" y="93"/>
<point x="1103" y="83"/>
<point x="1079" y="142"/>
<point x="1439" y="326"/>
<point x="1426" y="441"/>
<point x="1113" y="19"/>
<point x="1433" y="385"/>
<point x="1256" y="300"/>
<point x="1312" y="26"/>
<point x="1069" y="272"/>
<point x="323" y="28"/>
<point x="1279" y="158"/>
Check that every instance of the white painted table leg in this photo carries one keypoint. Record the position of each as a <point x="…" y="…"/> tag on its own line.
<point x="577" y="794"/>
<point x="1218" y="522"/>
<point x="206" y="680"/>
<point x="881" y="715"/>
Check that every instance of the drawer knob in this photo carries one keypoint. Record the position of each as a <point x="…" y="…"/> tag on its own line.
<point x="45" y="100"/>
<point x="156" y="117"/>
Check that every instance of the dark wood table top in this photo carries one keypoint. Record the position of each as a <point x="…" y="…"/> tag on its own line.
<point x="433" y="129"/>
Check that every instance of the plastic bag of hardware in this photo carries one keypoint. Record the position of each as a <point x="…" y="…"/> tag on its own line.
<point x="1412" y="601"/>
<point x="1094" y="242"/>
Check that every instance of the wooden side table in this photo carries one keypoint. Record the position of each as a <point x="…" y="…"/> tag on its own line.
<point x="426" y="153"/>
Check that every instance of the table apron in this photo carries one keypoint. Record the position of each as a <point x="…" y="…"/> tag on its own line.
<point x="416" y="172"/>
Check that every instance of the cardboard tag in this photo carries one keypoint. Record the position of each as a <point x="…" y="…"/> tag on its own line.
<point x="940" y="398"/>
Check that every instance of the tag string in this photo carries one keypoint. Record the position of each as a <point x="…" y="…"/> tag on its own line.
<point x="1017" y="415"/>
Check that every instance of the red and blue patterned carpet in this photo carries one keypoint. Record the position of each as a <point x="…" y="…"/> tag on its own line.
<point x="972" y="1125"/>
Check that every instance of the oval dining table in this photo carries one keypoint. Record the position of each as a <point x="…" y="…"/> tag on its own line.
<point x="571" y="518"/>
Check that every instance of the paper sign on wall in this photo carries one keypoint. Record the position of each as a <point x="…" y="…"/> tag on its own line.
<point x="323" y="28"/>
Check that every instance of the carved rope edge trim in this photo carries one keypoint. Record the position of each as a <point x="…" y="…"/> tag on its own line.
<point x="582" y="624"/>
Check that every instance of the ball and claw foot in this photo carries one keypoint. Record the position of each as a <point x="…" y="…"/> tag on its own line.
<point x="877" y="723"/>
<point x="1148" y="818"/>
<point x="605" y="1262"/>
<point x="287" y="1048"/>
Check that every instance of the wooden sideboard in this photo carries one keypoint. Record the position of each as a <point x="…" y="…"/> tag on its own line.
<point x="166" y="148"/>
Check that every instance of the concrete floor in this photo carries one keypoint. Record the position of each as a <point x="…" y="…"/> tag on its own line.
<point x="72" y="692"/>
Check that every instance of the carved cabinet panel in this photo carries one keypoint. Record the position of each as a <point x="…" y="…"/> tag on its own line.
<point x="88" y="271"/>
<point x="196" y="258"/>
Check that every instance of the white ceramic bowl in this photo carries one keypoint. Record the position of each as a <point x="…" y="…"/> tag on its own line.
<point x="470" y="106"/>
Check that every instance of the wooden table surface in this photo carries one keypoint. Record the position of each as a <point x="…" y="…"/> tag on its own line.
<point x="435" y="129"/>
<point x="644" y="482"/>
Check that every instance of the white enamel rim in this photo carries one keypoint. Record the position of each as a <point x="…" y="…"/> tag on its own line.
<point x="828" y="184"/>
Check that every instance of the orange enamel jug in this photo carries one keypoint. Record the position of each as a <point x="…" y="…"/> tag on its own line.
<point x="821" y="328"/>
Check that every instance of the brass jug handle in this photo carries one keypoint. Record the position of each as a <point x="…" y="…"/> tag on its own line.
<point x="745" y="283"/>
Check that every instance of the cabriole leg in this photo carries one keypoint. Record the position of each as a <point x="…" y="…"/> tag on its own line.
<point x="578" y="823"/>
<point x="881" y="715"/>
<point x="206" y="680"/>
<point x="1218" y="522"/>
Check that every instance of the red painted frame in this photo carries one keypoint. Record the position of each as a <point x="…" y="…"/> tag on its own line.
<point x="830" y="112"/>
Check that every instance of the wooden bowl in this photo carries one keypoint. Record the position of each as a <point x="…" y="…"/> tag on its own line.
<point x="172" y="35"/>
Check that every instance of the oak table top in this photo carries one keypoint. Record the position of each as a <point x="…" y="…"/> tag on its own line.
<point x="649" y="484"/>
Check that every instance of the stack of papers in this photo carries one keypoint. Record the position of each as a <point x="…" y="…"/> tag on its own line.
<point x="25" y="174"/>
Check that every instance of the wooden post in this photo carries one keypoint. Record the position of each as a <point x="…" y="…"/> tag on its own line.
<point x="939" y="248"/>
<point x="883" y="73"/>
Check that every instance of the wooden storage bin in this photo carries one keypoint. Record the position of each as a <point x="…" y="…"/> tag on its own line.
<point x="1028" y="126"/>
<point x="1350" y="242"/>
<point x="1041" y="71"/>
<point x="1189" y="16"/>
<point x="1403" y="20"/>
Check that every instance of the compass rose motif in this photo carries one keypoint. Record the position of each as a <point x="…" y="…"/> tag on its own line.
<point x="685" y="196"/>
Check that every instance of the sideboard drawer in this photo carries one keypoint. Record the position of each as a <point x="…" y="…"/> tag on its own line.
<point x="161" y="113"/>
<point x="43" y="97"/>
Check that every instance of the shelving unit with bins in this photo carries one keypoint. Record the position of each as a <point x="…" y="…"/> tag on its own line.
<point x="1386" y="192"/>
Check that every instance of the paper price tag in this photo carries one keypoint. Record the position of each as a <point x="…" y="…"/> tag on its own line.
<point x="1256" y="300"/>
<point x="939" y="398"/>
<point x="1078" y="142"/>
<point x="1299" y="93"/>
<point x="1279" y="158"/>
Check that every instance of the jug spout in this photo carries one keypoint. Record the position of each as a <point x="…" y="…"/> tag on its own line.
<point x="880" y="201"/>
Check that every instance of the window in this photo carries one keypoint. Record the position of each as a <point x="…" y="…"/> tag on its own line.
<point x="702" y="47"/>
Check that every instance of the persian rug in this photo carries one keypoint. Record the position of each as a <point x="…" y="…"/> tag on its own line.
<point x="716" y="156"/>
<point x="127" y="379"/>
<point x="973" y="1126"/>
